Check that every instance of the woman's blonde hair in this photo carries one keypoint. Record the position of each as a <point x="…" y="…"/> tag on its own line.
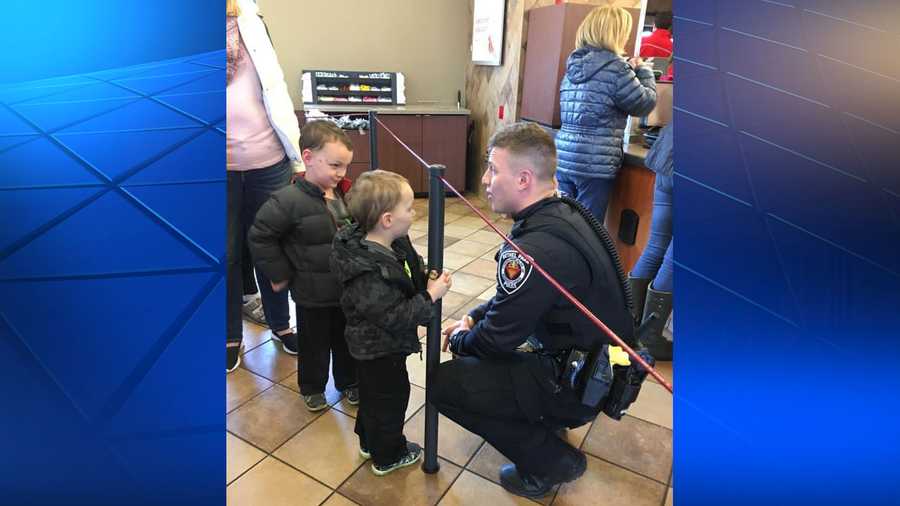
<point x="231" y="8"/>
<point x="605" y="27"/>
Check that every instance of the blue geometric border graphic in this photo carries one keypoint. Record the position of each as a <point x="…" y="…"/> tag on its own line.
<point x="787" y="210"/>
<point x="112" y="193"/>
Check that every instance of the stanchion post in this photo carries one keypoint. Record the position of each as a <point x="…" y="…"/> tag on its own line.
<point x="373" y="140"/>
<point x="433" y="343"/>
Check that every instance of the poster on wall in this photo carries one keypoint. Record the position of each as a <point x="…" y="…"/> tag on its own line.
<point x="487" y="32"/>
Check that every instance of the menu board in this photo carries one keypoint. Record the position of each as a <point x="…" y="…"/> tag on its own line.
<point x="489" y="20"/>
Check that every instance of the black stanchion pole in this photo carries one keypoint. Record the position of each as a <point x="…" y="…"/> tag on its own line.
<point x="433" y="343"/>
<point x="373" y="140"/>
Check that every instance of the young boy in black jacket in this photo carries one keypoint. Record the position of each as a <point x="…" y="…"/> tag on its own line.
<point x="290" y="241"/>
<point x="385" y="297"/>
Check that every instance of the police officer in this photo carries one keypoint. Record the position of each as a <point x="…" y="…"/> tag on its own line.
<point x="507" y="381"/>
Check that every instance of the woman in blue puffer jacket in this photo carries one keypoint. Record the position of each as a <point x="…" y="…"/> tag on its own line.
<point x="598" y="93"/>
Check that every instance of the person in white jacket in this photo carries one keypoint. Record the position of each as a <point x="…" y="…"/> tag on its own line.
<point x="263" y="152"/>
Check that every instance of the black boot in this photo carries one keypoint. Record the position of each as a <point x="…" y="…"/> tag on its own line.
<point x="533" y="486"/>
<point x="661" y="304"/>
<point x="639" y="295"/>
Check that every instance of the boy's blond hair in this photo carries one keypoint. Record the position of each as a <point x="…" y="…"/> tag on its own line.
<point x="606" y="27"/>
<point x="374" y="193"/>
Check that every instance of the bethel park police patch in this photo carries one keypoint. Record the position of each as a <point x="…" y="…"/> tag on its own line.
<point x="512" y="271"/>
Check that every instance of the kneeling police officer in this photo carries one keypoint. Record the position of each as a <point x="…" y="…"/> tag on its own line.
<point x="525" y="359"/>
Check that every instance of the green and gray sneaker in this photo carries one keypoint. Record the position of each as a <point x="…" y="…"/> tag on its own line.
<point x="413" y="454"/>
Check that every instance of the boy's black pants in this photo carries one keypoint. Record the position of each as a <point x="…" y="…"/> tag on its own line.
<point x="383" y="397"/>
<point x="322" y="338"/>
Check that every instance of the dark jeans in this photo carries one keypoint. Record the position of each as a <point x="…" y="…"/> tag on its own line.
<point x="592" y="192"/>
<point x="517" y="417"/>
<point x="383" y="398"/>
<point x="249" y="279"/>
<point x="656" y="260"/>
<point x="321" y="338"/>
<point x="247" y="191"/>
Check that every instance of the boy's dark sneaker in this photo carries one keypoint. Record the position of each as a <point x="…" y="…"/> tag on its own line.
<point x="364" y="453"/>
<point x="315" y="402"/>
<point x="352" y="396"/>
<point x="413" y="454"/>
<point x="232" y="358"/>
<point x="288" y="342"/>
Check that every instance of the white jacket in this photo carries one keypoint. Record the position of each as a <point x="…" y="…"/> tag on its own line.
<point x="278" y="103"/>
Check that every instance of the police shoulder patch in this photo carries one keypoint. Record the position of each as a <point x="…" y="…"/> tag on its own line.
<point x="512" y="271"/>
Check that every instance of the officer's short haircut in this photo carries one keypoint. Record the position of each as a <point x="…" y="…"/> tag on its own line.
<point x="316" y="134"/>
<point x="529" y="141"/>
<point x="374" y="193"/>
<point x="663" y="20"/>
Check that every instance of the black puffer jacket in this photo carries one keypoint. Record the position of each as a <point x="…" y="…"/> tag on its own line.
<point x="383" y="304"/>
<point x="291" y="239"/>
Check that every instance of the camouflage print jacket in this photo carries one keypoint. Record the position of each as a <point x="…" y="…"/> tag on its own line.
<point x="383" y="298"/>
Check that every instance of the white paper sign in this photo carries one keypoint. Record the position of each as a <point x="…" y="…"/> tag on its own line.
<point x="487" y="32"/>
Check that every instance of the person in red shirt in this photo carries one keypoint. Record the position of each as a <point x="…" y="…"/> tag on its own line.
<point x="659" y="43"/>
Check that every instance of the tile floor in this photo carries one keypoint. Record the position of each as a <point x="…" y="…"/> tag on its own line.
<point x="280" y="453"/>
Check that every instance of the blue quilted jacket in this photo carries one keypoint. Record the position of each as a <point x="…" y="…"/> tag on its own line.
<point x="596" y="96"/>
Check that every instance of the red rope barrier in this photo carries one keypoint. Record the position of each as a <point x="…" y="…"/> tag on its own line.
<point x="571" y="298"/>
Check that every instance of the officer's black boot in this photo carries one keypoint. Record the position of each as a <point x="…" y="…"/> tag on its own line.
<point x="661" y="304"/>
<point x="533" y="486"/>
<point x="639" y="295"/>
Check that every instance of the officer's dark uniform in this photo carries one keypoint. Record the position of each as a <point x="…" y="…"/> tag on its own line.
<point x="514" y="399"/>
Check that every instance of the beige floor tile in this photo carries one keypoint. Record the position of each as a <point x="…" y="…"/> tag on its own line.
<point x="488" y="294"/>
<point x="481" y="268"/>
<point x="326" y="449"/>
<point x="664" y="368"/>
<point x="471" y="489"/>
<point x="468" y="247"/>
<point x="405" y="487"/>
<point x="273" y="483"/>
<point x="634" y="444"/>
<point x="472" y="220"/>
<point x="421" y="245"/>
<point x="415" y="367"/>
<point x="460" y="231"/>
<point x="469" y="284"/>
<point x="455" y="443"/>
<point x="490" y="255"/>
<point x="270" y="361"/>
<point x="419" y="226"/>
<point x="654" y="405"/>
<point x="464" y="310"/>
<point x="241" y="385"/>
<point x="452" y="301"/>
<point x="670" y="498"/>
<point x="604" y="483"/>
<point x="291" y="382"/>
<point x="338" y="500"/>
<point x="416" y="234"/>
<point x="416" y="401"/>
<point x="239" y="456"/>
<point x="455" y="261"/>
<point x="269" y="419"/>
<point x="505" y="225"/>
<point x="254" y="336"/>
<point x="486" y="236"/>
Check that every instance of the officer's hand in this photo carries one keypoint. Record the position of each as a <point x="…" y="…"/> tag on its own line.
<point x="281" y="285"/>
<point x="464" y="324"/>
